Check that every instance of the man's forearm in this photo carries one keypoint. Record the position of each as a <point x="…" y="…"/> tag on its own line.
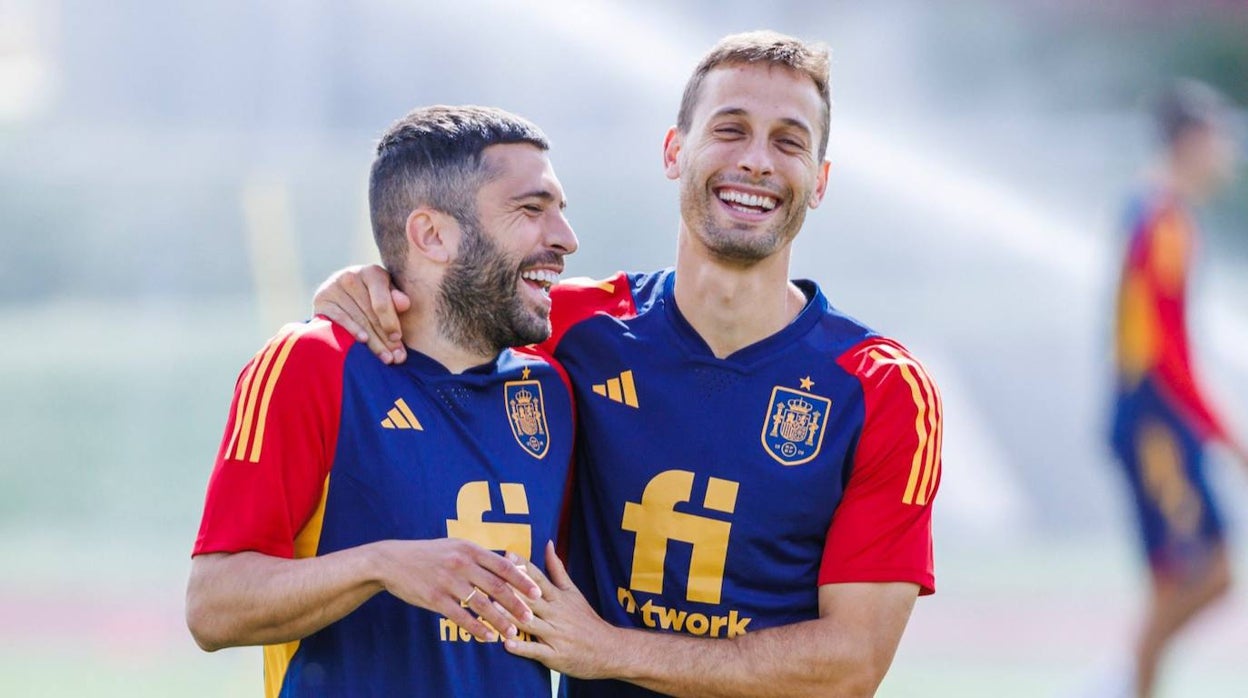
<point x="804" y="659"/>
<point x="255" y="599"/>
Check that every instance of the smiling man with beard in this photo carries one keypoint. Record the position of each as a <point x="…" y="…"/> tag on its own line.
<point x="357" y="511"/>
<point x="755" y="469"/>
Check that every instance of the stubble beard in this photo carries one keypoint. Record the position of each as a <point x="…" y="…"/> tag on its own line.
<point x="737" y="243"/>
<point x="479" y="306"/>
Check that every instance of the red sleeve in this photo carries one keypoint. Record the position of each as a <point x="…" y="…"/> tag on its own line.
<point x="574" y="300"/>
<point x="1168" y="259"/>
<point x="279" y="443"/>
<point x="882" y="530"/>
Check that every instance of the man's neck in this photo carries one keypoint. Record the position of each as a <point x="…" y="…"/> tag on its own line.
<point x="1175" y="179"/>
<point x="733" y="306"/>
<point x="423" y="332"/>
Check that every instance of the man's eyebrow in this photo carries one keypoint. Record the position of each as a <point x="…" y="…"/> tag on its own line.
<point x="729" y="111"/>
<point x="787" y="121"/>
<point x="543" y="194"/>
<point x="799" y="125"/>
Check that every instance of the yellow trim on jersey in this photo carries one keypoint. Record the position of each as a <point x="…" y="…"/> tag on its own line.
<point x="256" y="392"/>
<point x="243" y="390"/>
<point x="258" y="441"/>
<point x="277" y="657"/>
<point x="253" y="394"/>
<point x="925" y="466"/>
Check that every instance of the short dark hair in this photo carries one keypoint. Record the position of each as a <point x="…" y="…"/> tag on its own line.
<point x="769" y="48"/>
<point x="434" y="157"/>
<point x="1187" y="104"/>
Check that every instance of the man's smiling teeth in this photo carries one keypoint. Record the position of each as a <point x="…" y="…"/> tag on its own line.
<point x="738" y="197"/>
<point x="544" y="277"/>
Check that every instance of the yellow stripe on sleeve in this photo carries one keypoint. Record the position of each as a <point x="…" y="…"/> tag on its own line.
<point x="924" y="461"/>
<point x="253" y="394"/>
<point x="277" y="657"/>
<point x="939" y="446"/>
<point x="243" y="390"/>
<point x="269" y="384"/>
<point x="933" y="430"/>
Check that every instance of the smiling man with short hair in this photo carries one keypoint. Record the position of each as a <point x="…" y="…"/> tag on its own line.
<point x="756" y="469"/>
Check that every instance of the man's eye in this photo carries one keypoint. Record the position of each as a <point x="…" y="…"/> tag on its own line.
<point x="729" y="131"/>
<point x="533" y="208"/>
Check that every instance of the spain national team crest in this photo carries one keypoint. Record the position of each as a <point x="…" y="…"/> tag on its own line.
<point x="794" y="426"/>
<point x="527" y="413"/>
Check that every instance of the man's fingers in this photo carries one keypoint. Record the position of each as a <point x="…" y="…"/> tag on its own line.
<point x="357" y="288"/>
<point x="340" y="317"/>
<point x="515" y="604"/>
<point x="378" y="285"/>
<point x="544" y="586"/>
<point x="356" y="301"/>
<point x="535" y="624"/>
<point x="558" y="573"/>
<point x="513" y="570"/>
<point x="344" y="291"/>
<point x="401" y="305"/>
<point x="479" y="603"/>
<point x="502" y="592"/>
<point x="401" y="302"/>
<point x="493" y="576"/>
<point x="468" y="621"/>
<point x="530" y="649"/>
<point x="380" y="349"/>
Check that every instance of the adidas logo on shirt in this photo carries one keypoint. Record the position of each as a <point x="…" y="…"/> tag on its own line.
<point x="620" y="389"/>
<point x="400" y="417"/>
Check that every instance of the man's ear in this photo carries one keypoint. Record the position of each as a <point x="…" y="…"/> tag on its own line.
<point x="671" y="148"/>
<point x="432" y="234"/>
<point x="821" y="185"/>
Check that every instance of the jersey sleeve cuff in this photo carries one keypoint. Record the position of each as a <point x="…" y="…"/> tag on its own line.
<point x="926" y="581"/>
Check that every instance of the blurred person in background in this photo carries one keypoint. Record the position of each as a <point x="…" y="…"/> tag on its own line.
<point x="1162" y="419"/>
<point x="340" y="477"/>
<point x="753" y="465"/>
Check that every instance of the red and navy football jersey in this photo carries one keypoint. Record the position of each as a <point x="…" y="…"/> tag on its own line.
<point x="1153" y="354"/>
<point x="715" y="495"/>
<point x="327" y="448"/>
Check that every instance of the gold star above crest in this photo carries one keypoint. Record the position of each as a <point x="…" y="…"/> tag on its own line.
<point x="524" y="375"/>
<point x="807" y="383"/>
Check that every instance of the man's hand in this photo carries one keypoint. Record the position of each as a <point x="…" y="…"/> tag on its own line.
<point x="569" y="636"/>
<point x="363" y="301"/>
<point x="460" y="580"/>
<point x="250" y="598"/>
<point x="844" y="652"/>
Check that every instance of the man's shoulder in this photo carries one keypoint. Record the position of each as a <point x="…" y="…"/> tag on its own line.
<point x="623" y="295"/>
<point x="894" y="382"/>
<point x="872" y="351"/>
<point x="315" y="345"/>
<point x="838" y="335"/>
<point x="1152" y="206"/>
